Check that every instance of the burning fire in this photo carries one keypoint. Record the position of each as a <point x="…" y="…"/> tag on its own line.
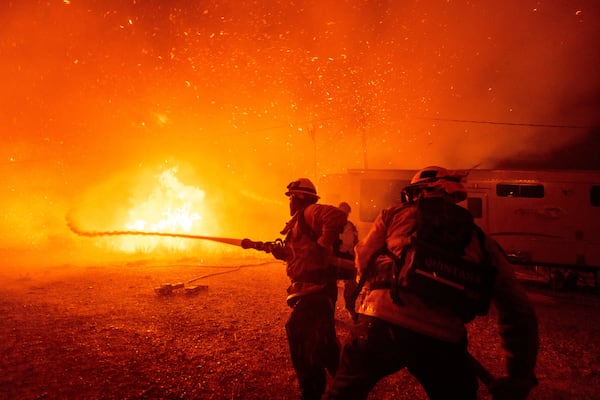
<point x="170" y="206"/>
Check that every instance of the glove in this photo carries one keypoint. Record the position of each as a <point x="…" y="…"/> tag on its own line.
<point x="511" y="388"/>
<point x="280" y="253"/>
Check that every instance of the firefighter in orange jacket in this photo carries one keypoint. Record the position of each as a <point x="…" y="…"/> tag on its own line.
<point x="399" y="328"/>
<point x="312" y="294"/>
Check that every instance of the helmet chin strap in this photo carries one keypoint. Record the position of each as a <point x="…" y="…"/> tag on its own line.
<point x="289" y="224"/>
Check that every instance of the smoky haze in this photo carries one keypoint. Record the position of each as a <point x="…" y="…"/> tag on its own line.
<point x="241" y="98"/>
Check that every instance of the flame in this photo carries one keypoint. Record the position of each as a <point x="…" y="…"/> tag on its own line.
<point x="170" y="206"/>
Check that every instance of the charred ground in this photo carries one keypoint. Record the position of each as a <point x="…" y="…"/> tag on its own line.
<point x="102" y="332"/>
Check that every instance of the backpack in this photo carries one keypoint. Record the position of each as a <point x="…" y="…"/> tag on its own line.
<point x="439" y="274"/>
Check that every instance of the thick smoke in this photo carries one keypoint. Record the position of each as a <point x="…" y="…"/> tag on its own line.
<point x="247" y="96"/>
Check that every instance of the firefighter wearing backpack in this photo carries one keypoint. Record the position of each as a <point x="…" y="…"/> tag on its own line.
<point x="427" y="270"/>
<point x="310" y="236"/>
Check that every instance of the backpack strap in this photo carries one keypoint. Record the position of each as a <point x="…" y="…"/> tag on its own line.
<point x="396" y="273"/>
<point x="304" y="228"/>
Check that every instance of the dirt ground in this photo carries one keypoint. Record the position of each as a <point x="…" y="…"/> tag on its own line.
<point x="102" y="332"/>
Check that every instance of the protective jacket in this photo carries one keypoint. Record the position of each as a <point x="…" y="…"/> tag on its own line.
<point x="516" y="317"/>
<point x="310" y="236"/>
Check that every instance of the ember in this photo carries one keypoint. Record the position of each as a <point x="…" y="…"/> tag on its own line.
<point x="189" y="117"/>
<point x="251" y="95"/>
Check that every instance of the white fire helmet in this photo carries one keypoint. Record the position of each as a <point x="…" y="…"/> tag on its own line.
<point x="303" y="188"/>
<point x="435" y="181"/>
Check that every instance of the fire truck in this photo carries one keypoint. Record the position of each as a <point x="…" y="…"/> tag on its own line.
<point x="547" y="221"/>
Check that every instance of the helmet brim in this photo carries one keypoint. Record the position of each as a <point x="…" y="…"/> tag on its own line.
<point x="301" y="193"/>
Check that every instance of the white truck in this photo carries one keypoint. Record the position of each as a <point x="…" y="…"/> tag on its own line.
<point x="548" y="221"/>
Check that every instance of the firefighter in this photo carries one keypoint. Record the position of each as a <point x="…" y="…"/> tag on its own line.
<point x="400" y="325"/>
<point x="344" y="248"/>
<point x="310" y="236"/>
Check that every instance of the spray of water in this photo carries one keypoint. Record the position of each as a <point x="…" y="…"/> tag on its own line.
<point x="75" y="229"/>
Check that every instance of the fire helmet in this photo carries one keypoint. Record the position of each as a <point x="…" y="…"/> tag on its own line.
<point x="435" y="181"/>
<point x="345" y="207"/>
<point x="303" y="188"/>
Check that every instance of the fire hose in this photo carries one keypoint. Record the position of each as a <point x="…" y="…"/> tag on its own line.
<point x="80" y="232"/>
<point x="345" y="269"/>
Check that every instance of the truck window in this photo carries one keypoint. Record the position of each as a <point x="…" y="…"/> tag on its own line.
<point x="377" y="194"/>
<point x="511" y="190"/>
<point x="595" y="195"/>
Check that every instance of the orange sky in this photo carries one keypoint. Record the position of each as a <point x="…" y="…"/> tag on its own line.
<point x="244" y="97"/>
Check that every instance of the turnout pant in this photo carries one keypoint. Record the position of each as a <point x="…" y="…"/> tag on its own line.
<point x="313" y="343"/>
<point x="378" y="348"/>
